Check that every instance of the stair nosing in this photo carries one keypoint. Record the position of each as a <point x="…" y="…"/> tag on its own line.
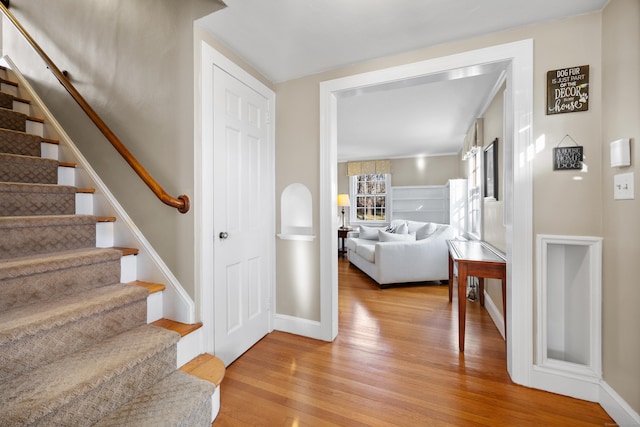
<point x="183" y="329"/>
<point x="8" y="82"/>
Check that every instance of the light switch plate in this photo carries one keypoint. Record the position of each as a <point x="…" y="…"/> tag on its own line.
<point x="623" y="186"/>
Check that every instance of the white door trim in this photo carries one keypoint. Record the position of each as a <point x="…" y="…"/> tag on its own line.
<point x="203" y="186"/>
<point x="519" y="232"/>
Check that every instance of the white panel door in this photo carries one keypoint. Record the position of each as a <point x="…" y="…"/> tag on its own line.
<point x="241" y="230"/>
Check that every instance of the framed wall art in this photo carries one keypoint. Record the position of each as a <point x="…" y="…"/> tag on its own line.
<point x="491" y="171"/>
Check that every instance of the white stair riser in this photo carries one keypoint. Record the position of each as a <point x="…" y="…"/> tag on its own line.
<point x="49" y="151"/>
<point x="128" y="269"/>
<point x="189" y="347"/>
<point x="35" y="128"/>
<point x="84" y="204"/>
<point x="22" y="107"/>
<point x="104" y="234"/>
<point x="66" y="176"/>
<point x="10" y="89"/>
<point x="215" y="403"/>
<point x="154" y="307"/>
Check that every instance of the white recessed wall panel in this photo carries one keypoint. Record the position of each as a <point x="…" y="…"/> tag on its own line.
<point x="569" y="322"/>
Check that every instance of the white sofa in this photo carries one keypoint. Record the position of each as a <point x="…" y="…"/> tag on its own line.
<point x="421" y="255"/>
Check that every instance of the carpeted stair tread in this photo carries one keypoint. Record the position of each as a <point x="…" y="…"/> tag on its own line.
<point x="38" y="264"/>
<point x="83" y="387"/>
<point x="14" y="142"/>
<point x="32" y="235"/>
<point x="36" y="334"/>
<point x="28" y="169"/>
<point x="179" y="399"/>
<point x="43" y="277"/>
<point x="19" y="187"/>
<point x="46" y="220"/>
<point x="13" y="120"/>
<point x="6" y="100"/>
<point x="34" y="319"/>
<point x="28" y="199"/>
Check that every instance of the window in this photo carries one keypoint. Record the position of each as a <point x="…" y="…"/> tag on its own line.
<point x="475" y="195"/>
<point x="369" y="197"/>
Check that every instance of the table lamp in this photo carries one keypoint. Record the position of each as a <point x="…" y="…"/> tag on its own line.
<point x="343" y="200"/>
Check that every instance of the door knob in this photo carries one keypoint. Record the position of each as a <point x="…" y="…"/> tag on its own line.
<point x="223" y="234"/>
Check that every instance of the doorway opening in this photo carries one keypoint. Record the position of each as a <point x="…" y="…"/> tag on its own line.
<point x="518" y="186"/>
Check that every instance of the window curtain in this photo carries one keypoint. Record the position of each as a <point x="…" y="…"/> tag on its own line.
<point x="369" y="167"/>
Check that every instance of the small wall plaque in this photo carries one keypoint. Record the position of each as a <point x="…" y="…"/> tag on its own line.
<point x="568" y="90"/>
<point x="567" y="158"/>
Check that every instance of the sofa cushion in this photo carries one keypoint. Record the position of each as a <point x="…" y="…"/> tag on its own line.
<point x="383" y="236"/>
<point x="368" y="252"/>
<point x="351" y="243"/>
<point x="426" y="230"/>
<point x="368" y="233"/>
<point x="402" y="228"/>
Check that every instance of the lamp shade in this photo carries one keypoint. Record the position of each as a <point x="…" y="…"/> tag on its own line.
<point x="343" y="200"/>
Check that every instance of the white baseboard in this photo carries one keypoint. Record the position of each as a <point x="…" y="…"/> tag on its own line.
<point x="611" y="402"/>
<point x="298" y="326"/>
<point x="495" y="314"/>
<point x="565" y="383"/>
<point x="617" y="407"/>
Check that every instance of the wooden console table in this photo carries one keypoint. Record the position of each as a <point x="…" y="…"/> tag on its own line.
<point x="478" y="259"/>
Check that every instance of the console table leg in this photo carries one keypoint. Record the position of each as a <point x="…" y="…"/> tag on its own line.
<point x="450" y="278"/>
<point x="462" y="302"/>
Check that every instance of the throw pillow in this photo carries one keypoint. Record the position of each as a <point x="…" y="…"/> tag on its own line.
<point x="383" y="236"/>
<point x="391" y="228"/>
<point x="368" y="233"/>
<point x="402" y="228"/>
<point x="426" y="231"/>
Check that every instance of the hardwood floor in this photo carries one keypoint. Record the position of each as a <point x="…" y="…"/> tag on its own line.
<point x="395" y="362"/>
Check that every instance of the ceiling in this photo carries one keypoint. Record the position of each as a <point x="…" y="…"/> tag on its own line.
<point x="288" y="39"/>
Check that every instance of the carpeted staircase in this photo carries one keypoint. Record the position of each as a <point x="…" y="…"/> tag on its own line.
<point x="75" y="346"/>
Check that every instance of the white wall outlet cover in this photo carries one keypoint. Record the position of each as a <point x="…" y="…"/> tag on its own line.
<point x="623" y="186"/>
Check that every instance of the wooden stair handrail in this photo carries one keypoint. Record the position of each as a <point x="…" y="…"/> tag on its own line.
<point x="181" y="203"/>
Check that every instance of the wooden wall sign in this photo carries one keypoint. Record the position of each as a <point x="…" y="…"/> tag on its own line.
<point x="568" y="90"/>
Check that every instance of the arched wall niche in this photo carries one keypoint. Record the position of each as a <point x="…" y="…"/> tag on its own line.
<point x="296" y="214"/>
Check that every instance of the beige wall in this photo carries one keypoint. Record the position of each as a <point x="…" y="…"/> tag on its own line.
<point x="133" y="63"/>
<point x="621" y="113"/>
<point x="297" y="160"/>
<point x="424" y="170"/>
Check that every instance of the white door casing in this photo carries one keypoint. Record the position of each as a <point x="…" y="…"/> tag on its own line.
<point x="235" y="183"/>
<point x="518" y="204"/>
